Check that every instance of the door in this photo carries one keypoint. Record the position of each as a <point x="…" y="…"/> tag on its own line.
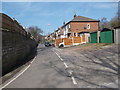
<point x="93" y="37"/>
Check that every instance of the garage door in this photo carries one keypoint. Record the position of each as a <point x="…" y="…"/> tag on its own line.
<point x="106" y="37"/>
<point x="93" y="37"/>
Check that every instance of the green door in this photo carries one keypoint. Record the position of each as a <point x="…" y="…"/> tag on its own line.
<point x="93" y="37"/>
<point x="106" y="37"/>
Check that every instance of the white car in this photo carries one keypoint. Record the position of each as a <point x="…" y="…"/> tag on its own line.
<point x="61" y="44"/>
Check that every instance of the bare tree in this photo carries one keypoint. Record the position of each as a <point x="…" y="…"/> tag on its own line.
<point x="104" y="23"/>
<point x="115" y="22"/>
<point x="36" y="32"/>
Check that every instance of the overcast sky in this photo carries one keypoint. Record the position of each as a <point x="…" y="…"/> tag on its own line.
<point x="51" y="15"/>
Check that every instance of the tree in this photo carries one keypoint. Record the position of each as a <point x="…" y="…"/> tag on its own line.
<point x="115" y="22"/>
<point x="104" y="23"/>
<point x="36" y="32"/>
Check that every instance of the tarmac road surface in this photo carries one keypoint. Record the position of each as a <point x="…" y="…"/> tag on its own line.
<point x="47" y="71"/>
<point x="67" y="68"/>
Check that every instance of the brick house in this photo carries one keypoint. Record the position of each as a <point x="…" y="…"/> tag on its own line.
<point x="78" y="29"/>
<point x="79" y="26"/>
<point x="50" y="37"/>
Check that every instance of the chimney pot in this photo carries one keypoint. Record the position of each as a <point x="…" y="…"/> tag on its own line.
<point x="63" y="23"/>
<point x="75" y="15"/>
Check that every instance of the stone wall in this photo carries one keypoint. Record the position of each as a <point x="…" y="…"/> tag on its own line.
<point x="16" y="47"/>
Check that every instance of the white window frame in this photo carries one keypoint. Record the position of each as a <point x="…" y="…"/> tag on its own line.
<point x="87" y="26"/>
<point x="68" y="25"/>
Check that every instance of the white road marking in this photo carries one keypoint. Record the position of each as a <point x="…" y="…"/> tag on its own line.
<point x="3" y="86"/>
<point x="70" y="72"/>
<point x="33" y="60"/>
<point x="65" y="65"/>
<point x="74" y="81"/>
<point x="58" y="56"/>
<point x="61" y="59"/>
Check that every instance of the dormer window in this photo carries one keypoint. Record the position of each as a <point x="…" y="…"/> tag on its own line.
<point x="88" y="26"/>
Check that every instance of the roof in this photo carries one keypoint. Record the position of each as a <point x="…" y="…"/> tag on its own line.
<point x="81" y="18"/>
<point x="106" y="29"/>
<point x="117" y="27"/>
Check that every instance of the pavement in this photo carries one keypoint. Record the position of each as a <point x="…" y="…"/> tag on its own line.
<point x="84" y="66"/>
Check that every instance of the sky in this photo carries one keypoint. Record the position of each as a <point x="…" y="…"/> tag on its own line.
<point x="50" y="15"/>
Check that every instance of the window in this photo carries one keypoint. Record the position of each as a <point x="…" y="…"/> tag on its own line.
<point x="74" y="34"/>
<point x="88" y="26"/>
<point x="69" y="34"/>
<point x="68" y="25"/>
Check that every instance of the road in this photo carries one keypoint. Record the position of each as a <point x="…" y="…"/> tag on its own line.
<point x="67" y="68"/>
<point x="47" y="71"/>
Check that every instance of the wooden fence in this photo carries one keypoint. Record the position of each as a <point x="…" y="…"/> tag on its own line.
<point x="77" y="40"/>
<point x="57" y="41"/>
<point x="67" y="41"/>
<point x="71" y="41"/>
<point x="10" y="24"/>
<point x="83" y="38"/>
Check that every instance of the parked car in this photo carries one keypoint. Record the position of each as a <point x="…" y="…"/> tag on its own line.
<point x="47" y="44"/>
<point x="53" y="45"/>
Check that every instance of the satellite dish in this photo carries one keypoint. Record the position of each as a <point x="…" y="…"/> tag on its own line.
<point x="85" y="28"/>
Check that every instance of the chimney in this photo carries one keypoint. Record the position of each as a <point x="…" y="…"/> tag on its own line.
<point x="63" y="23"/>
<point x="75" y="15"/>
